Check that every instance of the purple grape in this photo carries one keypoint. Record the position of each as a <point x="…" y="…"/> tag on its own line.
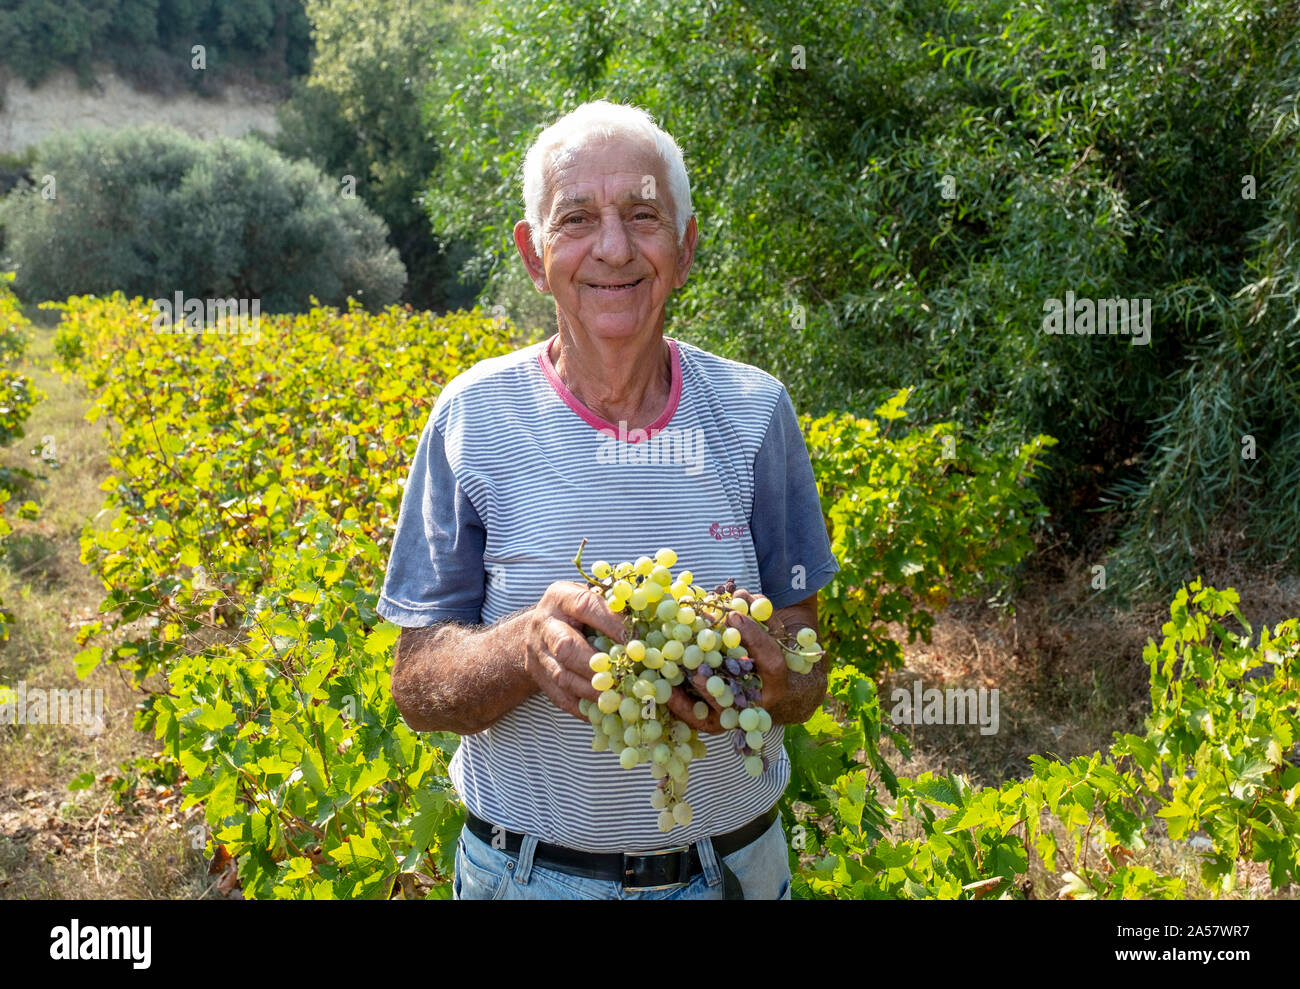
<point x="740" y="701"/>
<point x="746" y="665"/>
<point x="732" y="667"/>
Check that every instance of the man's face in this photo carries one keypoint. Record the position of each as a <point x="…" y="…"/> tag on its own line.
<point x="609" y="240"/>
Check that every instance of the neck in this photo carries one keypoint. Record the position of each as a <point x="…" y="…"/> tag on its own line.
<point x="625" y="380"/>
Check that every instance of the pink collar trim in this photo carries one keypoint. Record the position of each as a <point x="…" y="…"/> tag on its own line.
<point x="589" y="417"/>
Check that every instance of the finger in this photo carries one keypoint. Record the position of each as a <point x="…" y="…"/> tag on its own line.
<point x="570" y="653"/>
<point x="588" y="607"/>
<point x="682" y="704"/>
<point x="552" y="684"/>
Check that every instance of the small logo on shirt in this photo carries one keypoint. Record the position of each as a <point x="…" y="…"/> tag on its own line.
<point x="727" y="531"/>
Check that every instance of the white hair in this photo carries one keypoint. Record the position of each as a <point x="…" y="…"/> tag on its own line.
<point x="590" y="123"/>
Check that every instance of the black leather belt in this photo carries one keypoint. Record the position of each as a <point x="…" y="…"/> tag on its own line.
<point x="662" y="869"/>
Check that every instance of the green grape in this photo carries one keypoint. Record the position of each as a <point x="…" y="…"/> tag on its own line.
<point x="731" y="637"/>
<point x="666" y="610"/>
<point x="632" y="735"/>
<point x="713" y="658"/>
<point x="622" y="590"/>
<point x="617" y="651"/>
<point x="686" y="577"/>
<point x="692" y="657"/>
<point x="699" y="625"/>
<point x="599" y="741"/>
<point x="682" y="814"/>
<point x="642" y="689"/>
<point x="665" y="821"/>
<point x="621" y="570"/>
<point x="638" y="599"/>
<point x="764" y="720"/>
<point x="662" y="753"/>
<point x="663" y="691"/>
<point x="680" y="731"/>
<point x="594" y="716"/>
<point x="636" y="650"/>
<point x="658" y="771"/>
<point x="628" y="758"/>
<point x="737" y="652"/>
<point x="608" y="702"/>
<point x="793" y="661"/>
<point x="656" y="639"/>
<point x="806" y="637"/>
<point x="754" y="739"/>
<point x="614" y="602"/>
<point x="684" y="753"/>
<point x="749" y="719"/>
<point x="654" y="591"/>
<point x="583" y="704"/>
<point x="654" y="659"/>
<point x="699" y="748"/>
<point x="707" y="639"/>
<point x="682" y="633"/>
<point x="665" y="557"/>
<point x="629" y="710"/>
<point x="701" y="710"/>
<point x="686" y="615"/>
<point x="659" y="800"/>
<point x="662" y="576"/>
<point x="611" y="725"/>
<point x="754" y="765"/>
<point x="669" y="670"/>
<point x="603" y="680"/>
<point x="679" y="590"/>
<point x="727" y="698"/>
<point x="600" y="570"/>
<point x="715" y="686"/>
<point x="740" y="606"/>
<point x="674" y="650"/>
<point x="761" y="609"/>
<point x="649" y="674"/>
<point x="643" y="566"/>
<point x="729" y="718"/>
<point x="650" y="731"/>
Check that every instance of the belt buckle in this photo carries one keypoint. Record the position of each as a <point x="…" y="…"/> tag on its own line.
<point x="683" y="850"/>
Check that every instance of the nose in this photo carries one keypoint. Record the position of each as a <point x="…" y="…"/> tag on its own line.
<point x="613" y="245"/>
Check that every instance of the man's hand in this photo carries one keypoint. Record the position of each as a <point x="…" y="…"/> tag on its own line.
<point x="556" y="652"/>
<point x="784" y="693"/>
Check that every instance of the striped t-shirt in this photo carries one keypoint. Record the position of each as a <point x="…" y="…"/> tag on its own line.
<point x="511" y="473"/>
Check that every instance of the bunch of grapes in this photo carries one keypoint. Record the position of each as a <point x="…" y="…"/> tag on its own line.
<point x="674" y="630"/>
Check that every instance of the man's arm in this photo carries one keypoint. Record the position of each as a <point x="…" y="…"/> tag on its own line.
<point x="458" y="678"/>
<point x="453" y="677"/>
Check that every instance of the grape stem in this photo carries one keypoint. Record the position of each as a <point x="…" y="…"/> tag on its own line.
<point x="577" y="562"/>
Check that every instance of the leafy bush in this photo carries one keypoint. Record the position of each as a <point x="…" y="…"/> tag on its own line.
<point x="1217" y="756"/>
<point x="151" y="211"/>
<point x="915" y="519"/>
<point x="359" y="114"/>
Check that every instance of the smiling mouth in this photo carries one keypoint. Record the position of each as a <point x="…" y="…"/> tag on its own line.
<point x="616" y="288"/>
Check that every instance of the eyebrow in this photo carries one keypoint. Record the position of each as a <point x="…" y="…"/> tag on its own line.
<point x="567" y="201"/>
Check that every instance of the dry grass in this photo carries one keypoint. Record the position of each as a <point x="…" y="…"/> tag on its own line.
<point x="57" y="843"/>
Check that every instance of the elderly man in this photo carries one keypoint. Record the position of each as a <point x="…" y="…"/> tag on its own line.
<point x="513" y="470"/>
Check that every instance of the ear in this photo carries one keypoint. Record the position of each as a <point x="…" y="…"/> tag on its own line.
<point x="524" y="244"/>
<point x="686" y="253"/>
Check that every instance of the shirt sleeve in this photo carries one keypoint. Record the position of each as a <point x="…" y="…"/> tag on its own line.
<point x="435" y="571"/>
<point x="789" y="531"/>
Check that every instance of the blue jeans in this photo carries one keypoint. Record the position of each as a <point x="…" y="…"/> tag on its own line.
<point x="487" y="873"/>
